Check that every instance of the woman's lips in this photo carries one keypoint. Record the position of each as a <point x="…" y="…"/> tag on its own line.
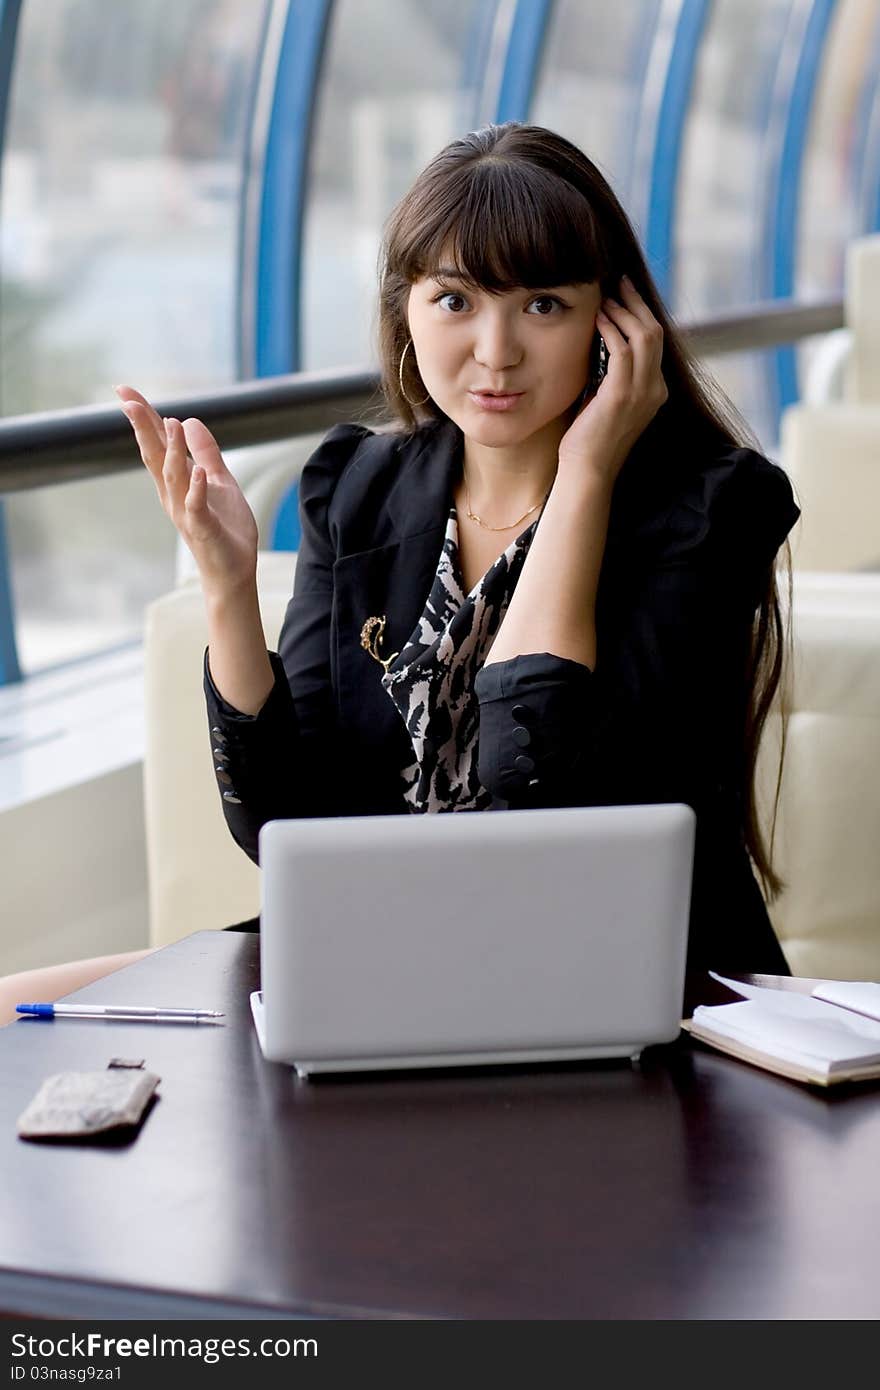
<point x="506" y="402"/>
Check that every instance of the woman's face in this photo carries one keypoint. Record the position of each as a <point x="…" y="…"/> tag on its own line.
<point x="535" y="343"/>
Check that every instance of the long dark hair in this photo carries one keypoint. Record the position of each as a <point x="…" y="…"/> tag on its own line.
<point x="518" y="205"/>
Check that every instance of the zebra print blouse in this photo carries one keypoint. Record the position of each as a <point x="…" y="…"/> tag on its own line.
<point x="432" y="679"/>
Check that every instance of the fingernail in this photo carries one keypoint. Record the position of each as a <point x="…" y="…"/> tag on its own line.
<point x="626" y="280"/>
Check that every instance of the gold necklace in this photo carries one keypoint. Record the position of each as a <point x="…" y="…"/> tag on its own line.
<point x="510" y="524"/>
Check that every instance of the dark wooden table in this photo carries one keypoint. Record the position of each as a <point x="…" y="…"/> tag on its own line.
<point x="686" y="1186"/>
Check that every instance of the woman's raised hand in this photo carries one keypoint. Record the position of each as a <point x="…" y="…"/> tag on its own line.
<point x="633" y="390"/>
<point x="198" y="492"/>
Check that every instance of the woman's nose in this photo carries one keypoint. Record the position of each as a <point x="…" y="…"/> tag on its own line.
<point x="496" y="346"/>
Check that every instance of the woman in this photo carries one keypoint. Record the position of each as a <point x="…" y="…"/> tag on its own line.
<point x="553" y="583"/>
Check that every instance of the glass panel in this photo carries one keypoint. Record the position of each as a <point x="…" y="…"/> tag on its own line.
<point x="829" y="211"/>
<point x="590" y="86"/>
<point x="719" y="247"/>
<point x="395" y="87"/>
<point x="121" y="179"/>
<point x="86" y="557"/>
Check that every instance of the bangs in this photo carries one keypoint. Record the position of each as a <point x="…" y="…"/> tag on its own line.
<point x="500" y="225"/>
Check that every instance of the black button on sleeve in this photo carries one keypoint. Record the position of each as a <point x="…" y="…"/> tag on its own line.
<point x="551" y="724"/>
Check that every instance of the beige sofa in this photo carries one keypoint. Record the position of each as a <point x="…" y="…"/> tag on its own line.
<point x="829" y="917"/>
<point x="198" y="877"/>
<point x="832" y="456"/>
<point x="831" y="448"/>
<point x="828" y="828"/>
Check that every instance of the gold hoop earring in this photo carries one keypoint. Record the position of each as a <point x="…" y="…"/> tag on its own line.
<point x="400" y="375"/>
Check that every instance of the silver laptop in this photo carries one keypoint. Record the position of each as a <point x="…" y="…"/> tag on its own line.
<point x="473" y="938"/>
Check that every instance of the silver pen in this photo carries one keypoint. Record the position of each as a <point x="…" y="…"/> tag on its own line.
<point x="134" y="1011"/>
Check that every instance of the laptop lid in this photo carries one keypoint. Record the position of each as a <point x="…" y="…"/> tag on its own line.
<point x="426" y="940"/>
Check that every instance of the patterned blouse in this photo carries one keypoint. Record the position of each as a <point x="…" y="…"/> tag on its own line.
<point x="432" y="679"/>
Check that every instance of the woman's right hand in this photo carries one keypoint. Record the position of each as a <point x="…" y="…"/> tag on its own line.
<point x="198" y="492"/>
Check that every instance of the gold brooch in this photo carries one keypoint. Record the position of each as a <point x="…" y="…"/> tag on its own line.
<point x="371" y="637"/>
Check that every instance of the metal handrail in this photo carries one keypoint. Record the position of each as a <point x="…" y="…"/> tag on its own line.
<point x="63" y="445"/>
<point x="765" y="325"/>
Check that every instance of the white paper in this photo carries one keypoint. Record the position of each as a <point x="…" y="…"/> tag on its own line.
<point x="813" y="1033"/>
<point x="787" y="1003"/>
<point x="820" y="1044"/>
<point x="861" y="996"/>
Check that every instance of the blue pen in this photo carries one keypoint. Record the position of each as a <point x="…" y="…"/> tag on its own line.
<point x="133" y="1011"/>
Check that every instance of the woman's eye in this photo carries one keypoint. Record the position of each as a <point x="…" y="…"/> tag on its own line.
<point x="448" y="294"/>
<point x="547" y="299"/>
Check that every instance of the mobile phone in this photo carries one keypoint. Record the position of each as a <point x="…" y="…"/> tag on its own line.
<point x="598" y="368"/>
<point x="598" y="359"/>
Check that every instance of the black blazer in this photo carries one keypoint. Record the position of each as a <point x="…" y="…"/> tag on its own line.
<point x="689" y="544"/>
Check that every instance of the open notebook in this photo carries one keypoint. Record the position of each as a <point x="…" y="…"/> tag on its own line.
<point x="828" y="1036"/>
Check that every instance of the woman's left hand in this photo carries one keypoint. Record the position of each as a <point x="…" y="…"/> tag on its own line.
<point x="629" y="395"/>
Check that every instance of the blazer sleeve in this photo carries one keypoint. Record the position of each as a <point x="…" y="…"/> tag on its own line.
<point x="280" y="763"/>
<point x="661" y="716"/>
